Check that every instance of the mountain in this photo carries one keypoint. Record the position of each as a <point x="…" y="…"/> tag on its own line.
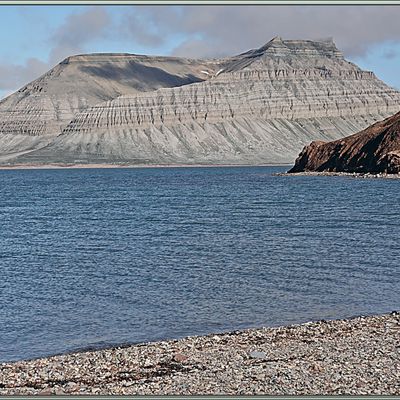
<point x="373" y="150"/>
<point x="39" y="111"/>
<point x="261" y="106"/>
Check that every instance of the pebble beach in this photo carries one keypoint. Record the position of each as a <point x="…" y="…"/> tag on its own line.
<point x="355" y="356"/>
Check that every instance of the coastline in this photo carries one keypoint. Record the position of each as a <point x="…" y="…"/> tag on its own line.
<point x="349" y="356"/>
<point x="358" y="175"/>
<point x="111" y="166"/>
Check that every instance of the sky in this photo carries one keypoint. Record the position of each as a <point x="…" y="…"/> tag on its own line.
<point x="36" y="38"/>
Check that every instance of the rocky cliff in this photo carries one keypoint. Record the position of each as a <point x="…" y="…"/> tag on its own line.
<point x="261" y="106"/>
<point x="373" y="150"/>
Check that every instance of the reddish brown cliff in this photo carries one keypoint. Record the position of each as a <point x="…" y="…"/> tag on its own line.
<point x="374" y="150"/>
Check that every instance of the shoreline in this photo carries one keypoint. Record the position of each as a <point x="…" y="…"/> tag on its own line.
<point x="357" y="175"/>
<point x="128" y="166"/>
<point x="359" y="355"/>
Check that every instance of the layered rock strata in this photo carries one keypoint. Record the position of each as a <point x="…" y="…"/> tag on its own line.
<point x="262" y="106"/>
<point x="40" y="110"/>
<point x="373" y="150"/>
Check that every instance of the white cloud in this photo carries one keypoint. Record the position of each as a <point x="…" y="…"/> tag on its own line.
<point x="70" y="38"/>
<point x="212" y="31"/>
<point x="233" y="29"/>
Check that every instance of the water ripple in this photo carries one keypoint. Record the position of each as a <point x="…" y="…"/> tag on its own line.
<point x="91" y="258"/>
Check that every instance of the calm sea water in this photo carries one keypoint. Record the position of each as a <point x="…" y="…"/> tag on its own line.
<point x="93" y="258"/>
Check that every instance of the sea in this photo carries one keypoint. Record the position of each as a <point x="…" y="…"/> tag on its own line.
<point x="95" y="258"/>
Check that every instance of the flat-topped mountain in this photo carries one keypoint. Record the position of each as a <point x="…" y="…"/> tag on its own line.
<point x="261" y="106"/>
<point x="299" y="50"/>
<point x="40" y="110"/>
<point x="373" y="150"/>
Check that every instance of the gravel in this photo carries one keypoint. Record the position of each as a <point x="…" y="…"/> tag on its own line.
<point x="354" y="356"/>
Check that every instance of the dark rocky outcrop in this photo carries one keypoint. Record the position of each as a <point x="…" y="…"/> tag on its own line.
<point x="373" y="150"/>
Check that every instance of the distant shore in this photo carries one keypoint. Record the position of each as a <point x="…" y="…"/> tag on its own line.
<point x="357" y="356"/>
<point x="108" y="166"/>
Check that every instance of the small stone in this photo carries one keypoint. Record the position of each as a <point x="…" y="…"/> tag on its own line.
<point x="257" y="354"/>
<point x="71" y="386"/>
<point x="45" y="392"/>
<point x="179" y="357"/>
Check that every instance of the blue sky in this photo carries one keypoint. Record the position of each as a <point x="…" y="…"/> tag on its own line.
<point x="35" y="38"/>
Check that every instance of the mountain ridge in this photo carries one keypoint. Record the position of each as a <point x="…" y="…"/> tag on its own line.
<point x="260" y="106"/>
